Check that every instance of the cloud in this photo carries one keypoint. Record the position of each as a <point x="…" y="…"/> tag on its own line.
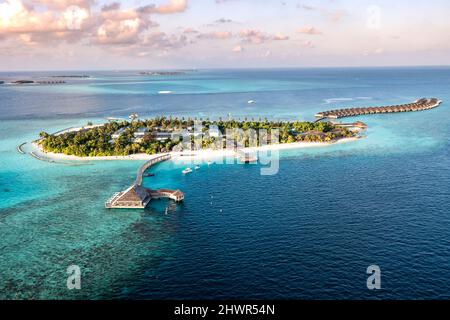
<point x="257" y="36"/>
<point x="118" y="31"/>
<point x="190" y="30"/>
<point x="16" y="18"/>
<point x="221" y="21"/>
<point x="62" y="4"/>
<point x="174" y="6"/>
<point x="238" y="49"/>
<point x="280" y="37"/>
<point x="32" y="23"/>
<point x="161" y="40"/>
<point x="372" y="52"/>
<point x="111" y="7"/>
<point x="216" y="35"/>
<point x="309" y="30"/>
<point x="116" y="26"/>
<point x="307" y="44"/>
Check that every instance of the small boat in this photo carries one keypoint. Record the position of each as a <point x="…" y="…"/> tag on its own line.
<point x="164" y="92"/>
<point x="251" y="101"/>
<point x="197" y="167"/>
<point x="209" y="163"/>
<point x="187" y="170"/>
<point x="149" y="174"/>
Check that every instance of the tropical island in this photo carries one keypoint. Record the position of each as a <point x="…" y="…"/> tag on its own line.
<point x="162" y="135"/>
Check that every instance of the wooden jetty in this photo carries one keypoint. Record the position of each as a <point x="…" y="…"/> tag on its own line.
<point x="137" y="196"/>
<point x="418" y="105"/>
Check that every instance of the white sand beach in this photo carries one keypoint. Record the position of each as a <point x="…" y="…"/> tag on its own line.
<point x="185" y="156"/>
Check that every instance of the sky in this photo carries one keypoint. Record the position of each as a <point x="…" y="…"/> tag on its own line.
<point x="173" y="34"/>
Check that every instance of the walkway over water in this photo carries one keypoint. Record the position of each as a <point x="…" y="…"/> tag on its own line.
<point x="137" y="196"/>
<point x="419" y="105"/>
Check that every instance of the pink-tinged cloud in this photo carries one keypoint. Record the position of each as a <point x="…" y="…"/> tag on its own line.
<point x="221" y="35"/>
<point x="310" y="30"/>
<point x="18" y="18"/>
<point x="118" y="32"/>
<point x="280" y="37"/>
<point x="257" y="36"/>
<point x="253" y="36"/>
<point x="190" y="30"/>
<point x="174" y="6"/>
<point x="62" y="4"/>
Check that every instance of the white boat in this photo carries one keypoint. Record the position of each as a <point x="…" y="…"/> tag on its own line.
<point x="209" y="163"/>
<point x="165" y="92"/>
<point x="251" y="101"/>
<point x="197" y="167"/>
<point x="187" y="170"/>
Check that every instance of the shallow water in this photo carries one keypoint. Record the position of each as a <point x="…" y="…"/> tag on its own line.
<point x="309" y="231"/>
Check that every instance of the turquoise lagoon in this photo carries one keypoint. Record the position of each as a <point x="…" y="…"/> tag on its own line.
<point x="308" y="232"/>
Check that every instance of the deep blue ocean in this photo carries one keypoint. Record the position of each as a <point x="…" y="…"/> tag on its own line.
<point x="308" y="232"/>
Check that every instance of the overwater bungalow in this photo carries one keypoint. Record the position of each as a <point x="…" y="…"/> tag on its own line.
<point x="420" y="104"/>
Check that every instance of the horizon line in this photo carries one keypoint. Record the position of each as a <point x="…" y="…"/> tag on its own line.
<point x="229" y="68"/>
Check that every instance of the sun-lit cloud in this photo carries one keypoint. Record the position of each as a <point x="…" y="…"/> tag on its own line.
<point x="280" y="36"/>
<point x="310" y="30"/>
<point x="173" y="7"/>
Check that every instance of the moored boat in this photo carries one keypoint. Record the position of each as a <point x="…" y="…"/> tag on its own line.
<point x="187" y="170"/>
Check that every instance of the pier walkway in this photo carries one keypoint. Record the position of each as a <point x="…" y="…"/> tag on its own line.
<point x="137" y="196"/>
<point x="418" y="105"/>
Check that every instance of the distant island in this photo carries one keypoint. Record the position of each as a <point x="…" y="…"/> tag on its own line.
<point x="71" y="76"/>
<point x="161" y="135"/>
<point x="21" y="82"/>
<point x="161" y="73"/>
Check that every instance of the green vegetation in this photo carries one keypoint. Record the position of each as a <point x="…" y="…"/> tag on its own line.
<point x="98" y="141"/>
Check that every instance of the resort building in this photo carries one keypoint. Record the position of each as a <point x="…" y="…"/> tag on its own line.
<point x="161" y="136"/>
<point x="140" y="133"/>
<point x="358" y="125"/>
<point x="118" y="133"/>
<point x="214" y="131"/>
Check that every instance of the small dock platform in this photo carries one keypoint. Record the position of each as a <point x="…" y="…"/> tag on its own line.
<point x="137" y="196"/>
